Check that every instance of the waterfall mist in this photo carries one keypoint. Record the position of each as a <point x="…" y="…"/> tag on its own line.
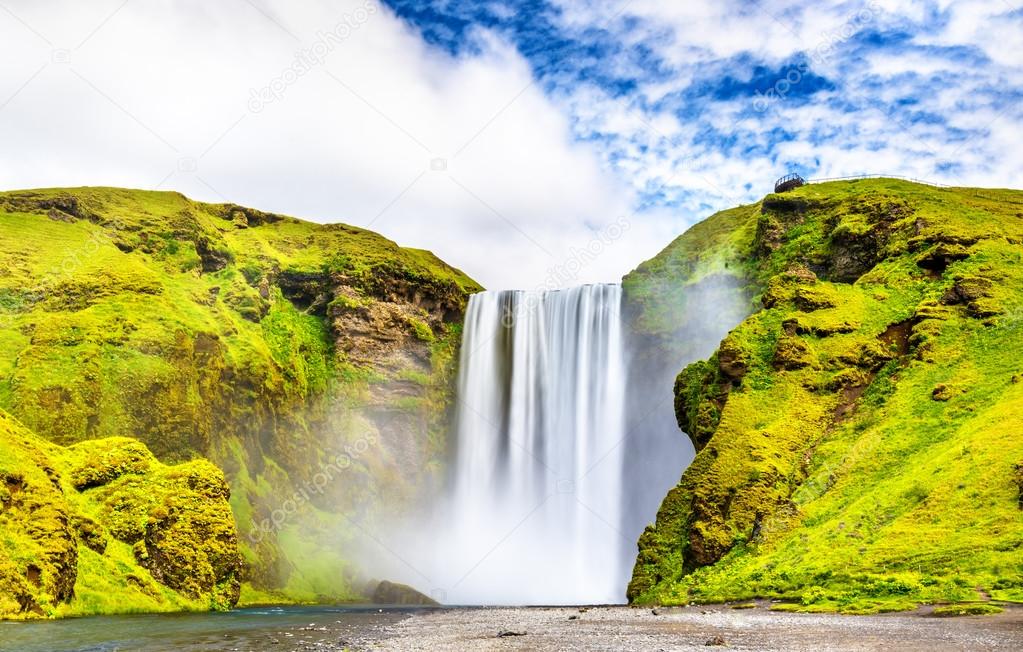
<point x="564" y="444"/>
<point x="656" y="451"/>
<point x="532" y="511"/>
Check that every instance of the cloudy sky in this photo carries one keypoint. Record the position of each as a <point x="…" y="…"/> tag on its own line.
<point x="529" y="143"/>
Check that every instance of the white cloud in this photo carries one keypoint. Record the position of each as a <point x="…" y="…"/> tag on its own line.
<point x="867" y="123"/>
<point x="528" y="176"/>
<point x="160" y="85"/>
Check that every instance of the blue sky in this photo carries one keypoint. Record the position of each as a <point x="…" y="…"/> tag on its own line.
<point x="534" y="144"/>
<point x="924" y="89"/>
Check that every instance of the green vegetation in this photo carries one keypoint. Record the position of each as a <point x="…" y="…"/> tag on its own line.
<point x="102" y="527"/>
<point x="858" y="435"/>
<point x="975" y="609"/>
<point x="289" y="354"/>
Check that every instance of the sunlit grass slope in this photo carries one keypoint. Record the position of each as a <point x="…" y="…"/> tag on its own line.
<point x="860" y="435"/>
<point x="277" y="348"/>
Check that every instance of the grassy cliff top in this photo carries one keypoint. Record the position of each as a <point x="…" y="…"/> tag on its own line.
<point x="108" y="296"/>
<point x="857" y="435"/>
<point x="151" y="220"/>
<point x="722" y="246"/>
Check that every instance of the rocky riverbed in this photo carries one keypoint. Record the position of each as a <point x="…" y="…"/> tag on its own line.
<point x="365" y="628"/>
<point x="691" y="628"/>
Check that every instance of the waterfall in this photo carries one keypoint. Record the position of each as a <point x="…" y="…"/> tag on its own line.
<point x="535" y="500"/>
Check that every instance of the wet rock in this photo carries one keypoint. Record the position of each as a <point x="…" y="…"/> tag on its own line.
<point x="402" y="594"/>
<point x="733" y="360"/>
<point x="716" y="641"/>
<point x="506" y="633"/>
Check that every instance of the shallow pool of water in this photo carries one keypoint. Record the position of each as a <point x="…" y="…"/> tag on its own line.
<point x="243" y="629"/>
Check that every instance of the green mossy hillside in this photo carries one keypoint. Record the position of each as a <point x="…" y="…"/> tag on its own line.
<point x="103" y="527"/>
<point x="859" y="435"/>
<point x="311" y="362"/>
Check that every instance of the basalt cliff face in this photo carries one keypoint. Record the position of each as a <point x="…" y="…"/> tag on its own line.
<point x="313" y="364"/>
<point x="858" y="437"/>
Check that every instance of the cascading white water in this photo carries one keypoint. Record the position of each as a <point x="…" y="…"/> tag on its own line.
<point x="535" y="504"/>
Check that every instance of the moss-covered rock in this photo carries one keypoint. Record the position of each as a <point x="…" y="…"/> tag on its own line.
<point x="38" y="546"/>
<point x="190" y="542"/>
<point x="392" y="593"/>
<point x="700" y="395"/>
<point x="50" y="526"/>
<point x="283" y="351"/>
<point x="103" y="461"/>
<point x="865" y="459"/>
<point x="793" y="353"/>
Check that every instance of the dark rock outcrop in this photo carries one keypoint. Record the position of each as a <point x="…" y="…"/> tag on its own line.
<point x="392" y="593"/>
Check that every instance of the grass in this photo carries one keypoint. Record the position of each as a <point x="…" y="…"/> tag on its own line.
<point x="827" y="475"/>
<point x="219" y="332"/>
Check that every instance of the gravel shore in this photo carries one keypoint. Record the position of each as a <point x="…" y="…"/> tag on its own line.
<point x="690" y="628"/>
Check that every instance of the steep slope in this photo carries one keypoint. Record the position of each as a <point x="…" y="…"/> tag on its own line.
<point x="312" y="363"/>
<point x="102" y="527"/>
<point x="858" y="436"/>
<point x="677" y="307"/>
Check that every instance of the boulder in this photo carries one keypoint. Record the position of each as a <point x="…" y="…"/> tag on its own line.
<point x="402" y="594"/>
